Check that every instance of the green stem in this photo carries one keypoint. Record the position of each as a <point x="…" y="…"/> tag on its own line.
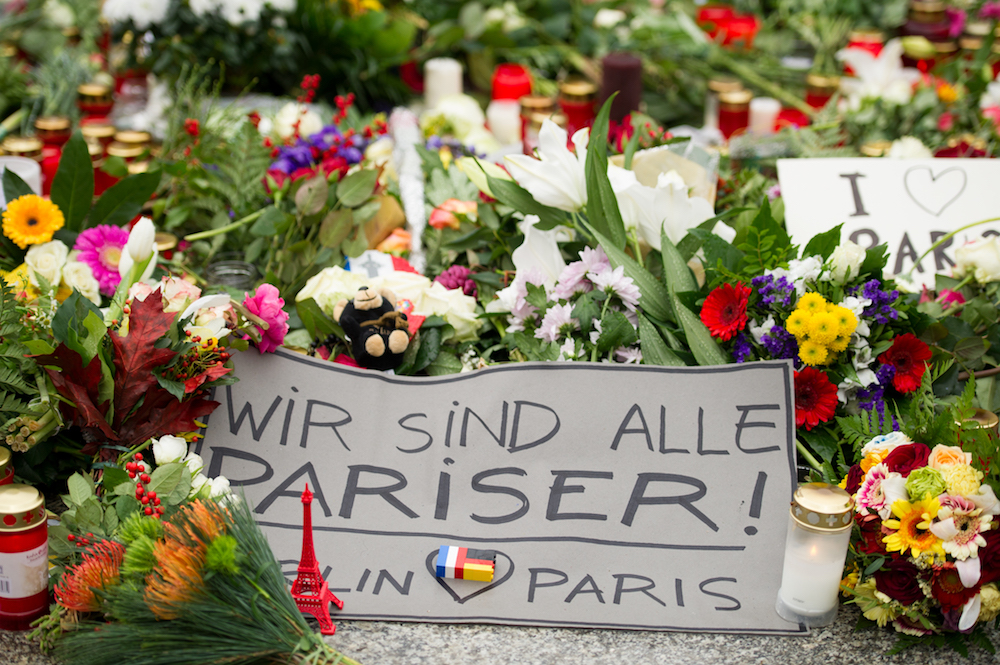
<point x="634" y="237"/>
<point x="808" y="456"/>
<point x="604" y="309"/>
<point x="130" y="454"/>
<point x="201" y="235"/>
<point x="946" y="238"/>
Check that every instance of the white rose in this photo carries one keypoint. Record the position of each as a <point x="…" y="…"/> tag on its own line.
<point x="885" y="442"/>
<point x="330" y="285"/>
<point x="220" y="486"/>
<point x="46" y="261"/>
<point x="909" y="147"/>
<point x="77" y="275"/>
<point x="462" y="112"/>
<point x="199" y="482"/>
<point x="169" y="449"/>
<point x="980" y="257"/>
<point x="309" y="121"/>
<point x="194" y="463"/>
<point x="845" y="263"/>
<point x="458" y="309"/>
<point x="608" y="18"/>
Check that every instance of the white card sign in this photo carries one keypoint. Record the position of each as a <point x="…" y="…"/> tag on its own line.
<point x="615" y="497"/>
<point x="909" y="204"/>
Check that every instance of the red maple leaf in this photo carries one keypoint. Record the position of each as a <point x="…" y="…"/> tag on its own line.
<point x="160" y="413"/>
<point x="136" y="356"/>
<point x="80" y="385"/>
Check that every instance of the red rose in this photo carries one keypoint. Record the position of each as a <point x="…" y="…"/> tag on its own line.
<point x="905" y="459"/>
<point x="989" y="557"/>
<point x="871" y="535"/>
<point x="854" y="477"/>
<point x="900" y="580"/>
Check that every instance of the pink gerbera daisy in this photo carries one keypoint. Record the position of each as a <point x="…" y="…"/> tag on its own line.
<point x="101" y="249"/>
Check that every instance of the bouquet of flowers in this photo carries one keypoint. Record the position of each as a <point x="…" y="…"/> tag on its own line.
<point x="927" y="546"/>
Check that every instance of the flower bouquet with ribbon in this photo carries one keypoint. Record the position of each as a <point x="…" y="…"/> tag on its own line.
<point x="925" y="556"/>
<point x="200" y="588"/>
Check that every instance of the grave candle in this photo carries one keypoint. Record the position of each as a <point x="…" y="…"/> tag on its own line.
<point x="24" y="557"/>
<point x="442" y="77"/>
<point x="504" y="118"/>
<point x="27" y="168"/>
<point x="6" y="468"/>
<point x="819" y="529"/>
<point x="622" y="74"/>
<point x="764" y="115"/>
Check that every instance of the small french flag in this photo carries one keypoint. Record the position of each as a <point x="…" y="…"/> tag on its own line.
<point x="463" y="563"/>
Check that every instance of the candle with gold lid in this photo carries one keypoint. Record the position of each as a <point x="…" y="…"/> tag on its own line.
<point x="53" y="129"/>
<point x="717" y="85"/>
<point x="133" y="137"/>
<point x="820" y="88"/>
<point x="98" y="131"/>
<point x="125" y="151"/>
<point x="24" y="557"/>
<point x="819" y="529"/>
<point x="22" y="146"/>
<point x="94" y="100"/>
<point x="6" y="468"/>
<point x="734" y="111"/>
<point x="876" y="148"/>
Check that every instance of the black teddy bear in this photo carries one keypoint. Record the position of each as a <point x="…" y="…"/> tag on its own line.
<point x="378" y="333"/>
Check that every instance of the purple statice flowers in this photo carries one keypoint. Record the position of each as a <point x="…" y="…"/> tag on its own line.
<point x="328" y="143"/>
<point x="880" y="309"/>
<point x="773" y="291"/>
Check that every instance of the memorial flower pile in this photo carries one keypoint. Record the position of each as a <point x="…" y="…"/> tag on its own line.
<point x="928" y="545"/>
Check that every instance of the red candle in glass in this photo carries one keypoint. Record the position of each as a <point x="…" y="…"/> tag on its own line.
<point x="576" y="99"/>
<point x="24" y="557"/>
<point x="94" y="101"/>
<point x="6" y="468"/>
<point x="714" y="18"/>
<point x="511" y="81"/>
<point x="734" y="111"/>
<point x="741" y="30"/>
<point x="865" y="39"/>
<point x="819" y="89"/>
<point x="927" y="18"/>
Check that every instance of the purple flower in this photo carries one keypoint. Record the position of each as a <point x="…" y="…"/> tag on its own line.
<point x="617" y="283"/>
<point x="881" y="301"/>
<point x="630" y="355"/>
<point x="742" y="350"/>
<point x="990" y="10"/>
<point x="780" y="343"/>
<point x="573" y="278"/>
<point x="557" y="322"/>
<point x="458" y="277"/>
<point x="956" y="21"/>
<point x="773" y="192"/>
<point x="773" y="291"/>
<point x="872" y="398"/>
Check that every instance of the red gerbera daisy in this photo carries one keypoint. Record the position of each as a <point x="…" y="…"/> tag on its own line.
<point x="947" y="587"/>
<point x="725" y="310"/>
<point x="815" y="398"/>
<point x="909" y="356"/>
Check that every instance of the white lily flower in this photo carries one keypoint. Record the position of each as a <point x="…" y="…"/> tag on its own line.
<point x="650" y="209"/>
<point x="882" y="76"/>
<point x="970" y="613"/>
<point x="539" y="251"/>
<point x="557" y="177"/>
<point x="215" y="300"/>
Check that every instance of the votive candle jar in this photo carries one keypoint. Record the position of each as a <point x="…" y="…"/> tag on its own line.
<point x="734" y="111"/>
<point x="24" y="557"/>
<point x="6" y="468"/>
<point x="819" y="529"/>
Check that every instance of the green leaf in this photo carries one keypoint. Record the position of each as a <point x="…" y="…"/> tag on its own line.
<point x="705" y="349"/>
<point x="823" y="244"/>
<point x="511" y="194"/>
<point x="630" y="147"/>
<point x="73" y="186"/>
<point x="587" y="310"/>
<point x="39" y="347"/>
<point x="874" y="566"/>
<point x="89" y="515"/>
<point x="315" y="320"/>
<point x="654" y="298"/>
<point x="875" y="260"/>
<point x="336" y="227"/>
<point x="971" y="348"/>
<point x="536" y="296"/>
<point x="267" y="224"/>
<point x="80" y="488"/>
<point x="112" y="478"/>
<point x="445" y="363"/>
<point x="676" y="273"/>
<point x="125" y="199"/>
<point x="654" y="349"/>
<point x="357" y="245"/>
<point x="616" y="332"/>
<point x="13" y="186"/>
<point x="311" y="196"/>
<point x="357" y="188"/>
<point x="126" y="488"/>
<point x="180" y="492"/>
<point x="111" y="519"/>
<point x="430" y="347"/>
<point x="166" y="477"/>
<point x="602" y="205"/>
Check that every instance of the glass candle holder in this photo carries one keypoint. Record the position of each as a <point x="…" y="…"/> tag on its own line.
<point x="717" y="85"/>
<point x="234" y="273"/>
<point x="6" y="468"/>
<point x="819" y="529"/>
<point x="865" y="39"/>
<point x="442" y="77"/>
<point x="511" y="81"/>
<point x="820" y="89"/>
<point x="764" y="115"/>
<point x="24" y="557"/>
<point x="576" y="99"/>
<point x="927" y="18"/>
<point x="734" y="111"/>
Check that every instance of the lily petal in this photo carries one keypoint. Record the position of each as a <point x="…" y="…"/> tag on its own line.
<point x="945" y="529"/>
<point x="970" y="613"/>
<point x="969" y="570"/>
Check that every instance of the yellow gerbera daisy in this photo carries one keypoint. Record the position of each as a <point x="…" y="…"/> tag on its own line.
<point x="846" y="321"/>
<point x="31" y="220"/>
<point x="823" y="328"/>
<point x="812" y="353"/>
<point x="811" y="303"/>
<point x="913" y="527"/>
<point x="798" y="323"/>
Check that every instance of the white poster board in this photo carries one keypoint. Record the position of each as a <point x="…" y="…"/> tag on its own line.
<point x="909" y="204"/>
<point x="615" y="497"/>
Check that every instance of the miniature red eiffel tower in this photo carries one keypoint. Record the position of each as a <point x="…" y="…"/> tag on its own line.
<point x="310" y="590"/>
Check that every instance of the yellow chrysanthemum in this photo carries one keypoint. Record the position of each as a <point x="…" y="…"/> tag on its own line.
<point x="962" y="479"/>
<point x="851" y="579"/>
<point x="811" y="303"/>
<point x="823" y="328"/>
<point x="31" y="220"/>
<point x="847" y="323"/>
<point x="873" y="458"/>
<point x="947" y="93"/>
<point x="813" y="353"/>
<point x="840" y="343"/>
<point x="798" y="323"/>
<point x="912" y="527"/>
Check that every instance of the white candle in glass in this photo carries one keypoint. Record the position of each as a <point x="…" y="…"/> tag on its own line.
<point x="504" y="117"/>
<point x="763" y="115"/>
<point x="442" y="77"/>
<point x="29" y="171"/>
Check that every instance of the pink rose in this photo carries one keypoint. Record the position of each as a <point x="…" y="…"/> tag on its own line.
<point x="267" y="304"/>
<point x="178" y="294"/>
<point x="445" y="215"/>
<point x="139" y="291"/>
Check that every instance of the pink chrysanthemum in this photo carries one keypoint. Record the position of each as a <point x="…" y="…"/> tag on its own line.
<point x="101" y="249"/>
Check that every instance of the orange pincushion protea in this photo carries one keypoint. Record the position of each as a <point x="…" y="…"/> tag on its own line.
<point x="99" y="570"/>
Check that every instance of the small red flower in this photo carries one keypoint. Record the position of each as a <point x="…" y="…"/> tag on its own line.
<point x="725" y="310"/>
<point x="815" y="398"/>
<point x="254" y="118"/>
<point x="192" y="127"/>
<point x="947" y="587"/>
<point x="98" y="570"/>
<point x="909" y="356"/>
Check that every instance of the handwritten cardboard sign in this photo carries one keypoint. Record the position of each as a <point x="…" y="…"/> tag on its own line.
<point x="909" y="204"/>
<point x="615" y="497"/>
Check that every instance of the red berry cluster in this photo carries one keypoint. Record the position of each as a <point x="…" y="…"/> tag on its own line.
<point x="343" y="103"/>
<point x="149" y="500"/>
<point x="254" y="118"/>
<point x="377" y="128"/>
<point x="81" y="541"/>
<point x="310" y="82"/>
<point x="192" y="127"/>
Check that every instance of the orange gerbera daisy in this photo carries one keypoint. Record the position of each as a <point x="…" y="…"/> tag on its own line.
<point x="31" y="220"/>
